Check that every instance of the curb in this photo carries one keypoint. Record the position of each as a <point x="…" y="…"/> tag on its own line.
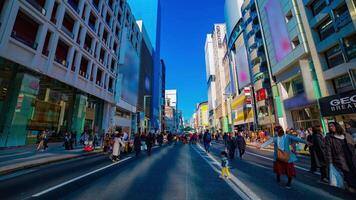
<point x="19" y="168"/>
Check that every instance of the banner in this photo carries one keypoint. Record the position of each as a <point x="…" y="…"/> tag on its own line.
<point x="344" y="103"/>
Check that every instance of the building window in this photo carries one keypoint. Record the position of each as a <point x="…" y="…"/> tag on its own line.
<point x="326" y="29"/>
<point x="25" y="30"/>
<point x="317" y="6"/>
<point x="96" y="4"/>
<point x="87" y="43"/>
<point x="295" y="42"/>
<point x="108" y="19"/>
<point x="297" y="86"/>
<point x="92" y="20"/>
<point x="38" y="5"/>
<point x="54" y="13"/>
<point x="105" y="36"/>
<point x="110" y="3"/>
<point x="334" y="56"/>
<point x="342" y="84"/>
<point x="74" y="4"/>
<point x="342" y="16"/>
<point x="73" y="61"/>
<point x="99" y="75"/>
<point x="111" y="83"/>
<point x="102" y="55"/>
<point x="68" y="25"/>
<point x="83" y="67"/>
<point x="45" y="50"/>
<point x="289" y="16"/>
<point x="1" y="5"/>
<point x="350" y="46"/>
<point x="62" y="53"/>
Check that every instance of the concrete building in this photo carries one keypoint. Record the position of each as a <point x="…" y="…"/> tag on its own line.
<point x="171" y="111"/>
<point x="258" y="64"/>
<point x="59" y="63"/>
<point x="202" y="116"/>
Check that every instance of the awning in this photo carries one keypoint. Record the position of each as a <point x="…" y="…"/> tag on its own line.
<point x="344" y="103"/>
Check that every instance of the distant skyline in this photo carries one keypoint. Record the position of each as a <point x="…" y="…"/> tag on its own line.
<point x="185" y="24"/>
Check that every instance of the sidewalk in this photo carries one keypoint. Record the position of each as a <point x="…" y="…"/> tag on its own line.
<point x="19" y="158"/>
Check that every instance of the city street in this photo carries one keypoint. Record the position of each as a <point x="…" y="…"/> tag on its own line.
<point x="171" y="172"/>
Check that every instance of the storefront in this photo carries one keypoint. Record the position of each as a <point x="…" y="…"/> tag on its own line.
<point x="340" y="108"/>
<point x="36" y="102"/>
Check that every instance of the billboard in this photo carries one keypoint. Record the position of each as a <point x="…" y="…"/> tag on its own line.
<point x="128" y="71"/>
<point x="278" y="29"/>
<point x="242" y="67"/>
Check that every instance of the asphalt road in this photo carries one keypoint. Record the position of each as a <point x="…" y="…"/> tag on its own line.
<point x="179" y="172"/>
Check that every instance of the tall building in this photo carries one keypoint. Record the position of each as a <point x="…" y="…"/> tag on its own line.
<point x="171" y="98"/>
<point x="171" y="111"/>
<point x="330" y="28"/>
<point x="211" y="79"/>
<point x="163" y="94"/>
<point x="259" y="70"/>
<point x="59" y="67"/>
<point x="149" y="11"/>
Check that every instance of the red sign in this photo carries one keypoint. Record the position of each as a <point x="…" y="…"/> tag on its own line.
<point x="261" y="94"/>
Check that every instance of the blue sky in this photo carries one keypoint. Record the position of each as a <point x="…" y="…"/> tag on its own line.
<point x="185" y="24"/>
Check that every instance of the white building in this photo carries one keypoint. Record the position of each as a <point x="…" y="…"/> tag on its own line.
<point x="171" y="98"/>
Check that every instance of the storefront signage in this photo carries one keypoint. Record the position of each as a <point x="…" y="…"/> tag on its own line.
<point x="344" y="103"/>
<point x="261" y="94"/>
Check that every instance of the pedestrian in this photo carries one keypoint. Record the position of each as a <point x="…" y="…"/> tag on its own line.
<point x="225" y="172"/>
<point x="117" y="146"/>
<point x="319" y="151"/>
<point x="149" y="143"/>
<point x="284" y="158"/>
<point x="312" y="154"/>
<point x="231" y="145"/>
<point x="340" y="153"/>
<point x="106" y="142"/>
<point x="67" y="140"/>
<point x="207" y="140"/>
<point x="137" y="144"/>
<point x="41" y="145"/>
<point x="241" y="144"/>
<point x="160" y="139"/>
<point x="74" y="136"/>
<point x="225" y="138"/>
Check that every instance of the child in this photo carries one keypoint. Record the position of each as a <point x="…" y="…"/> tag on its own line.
<point x="224" y="165"/>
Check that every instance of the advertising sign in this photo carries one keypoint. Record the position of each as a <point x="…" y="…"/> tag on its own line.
<point x="278" y="29"/>
<point x="243" y="70"/>
<point x="344" y="103"/>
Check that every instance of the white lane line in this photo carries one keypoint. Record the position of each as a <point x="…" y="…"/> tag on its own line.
<point x="79" y="177"/>
<point x="296" y="166"/>
<point x="155" y="147"/>
<point x="239" y="187"/>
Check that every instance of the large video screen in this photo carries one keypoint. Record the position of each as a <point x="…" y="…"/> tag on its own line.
<point x="278" y="29"/>
<point x="129" y="71"/>
<point x="243" y="69"/>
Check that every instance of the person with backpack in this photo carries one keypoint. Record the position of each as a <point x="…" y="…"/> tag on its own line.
<point x="207" y="140"/>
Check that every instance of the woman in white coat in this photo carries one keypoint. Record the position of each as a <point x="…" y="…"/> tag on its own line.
<point x="118" y="144"/>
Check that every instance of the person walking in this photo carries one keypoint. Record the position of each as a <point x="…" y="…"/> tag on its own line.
<point x="67" y="140"/>
<point x="117" y="146"/>
<point x="241" y="144"/>
<point x="231" y="145"/>
<point x="207" y="140"/>
<point x="106" y="142"/>
<point x="41" y="144"/>
<point x="284" y="158"/>
<point x="225" y="172"/>
<point x="160" y="139"/>
<point x="340" y="153"/>
<point x="225" y="138"/>
<point x="310" y="148"/>
<point x="137" y="144"/>
<point x="149" y="143"/>
<point x="318" y="152"/>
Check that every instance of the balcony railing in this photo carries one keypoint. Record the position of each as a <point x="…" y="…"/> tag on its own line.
<point x="37" y="6"/>
<point x="66" y="31"/>
<point x="24" y="40"/>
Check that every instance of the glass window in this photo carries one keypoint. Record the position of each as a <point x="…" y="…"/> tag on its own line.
<point x="342" y="16"/>
<point x="342" y="84"/>
<point x="298" y="86"/>
<point x="325" y="29"/>
<point x="317" y="6"/>
<point x="350" y="46"/>
<point x="334" y="56"/>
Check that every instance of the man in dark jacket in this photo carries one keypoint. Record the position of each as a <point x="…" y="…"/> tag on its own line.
<point x="241" y="144"/>
<point x="231" y="145"/>
<point x="137" y="144"/>
<point x="207" y="140"/>
<point x="311" y="152"/>
<point x="318" y="146"/>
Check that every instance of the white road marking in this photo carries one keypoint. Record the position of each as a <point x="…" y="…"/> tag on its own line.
<point x="79" y="177"/>
<point x="240" y="188"/>
<point x="298" y="167"/>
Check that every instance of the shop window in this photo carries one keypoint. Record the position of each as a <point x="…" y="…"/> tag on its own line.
<point x="45" y="50"/>
<point x="96" y="4"/>
<point x="74" y="4"/>
<point x="306" y="118"/>
<point x="325" y="29"/>
<point x="99" y="75"/>
<point x="83" y="71"/>
<point x="25" y="30"/>
<point x="73" y="61"/>
<point x="62" y="53"/>
<point x="54" y="12"/>
<point x="297" y="86"/>
<point x="342" y="16"/>
<point x="350" y="46"/>
<point x="263" y="111"/>
<point x="68" y="25"/>
<point x="38" y="5"/>
<point x="342" y="84"/>
<point x="334" y="56"/>
<point x="92" y="20"/>
<point x="317" y="6"/>
<point x="87" y="43"/>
